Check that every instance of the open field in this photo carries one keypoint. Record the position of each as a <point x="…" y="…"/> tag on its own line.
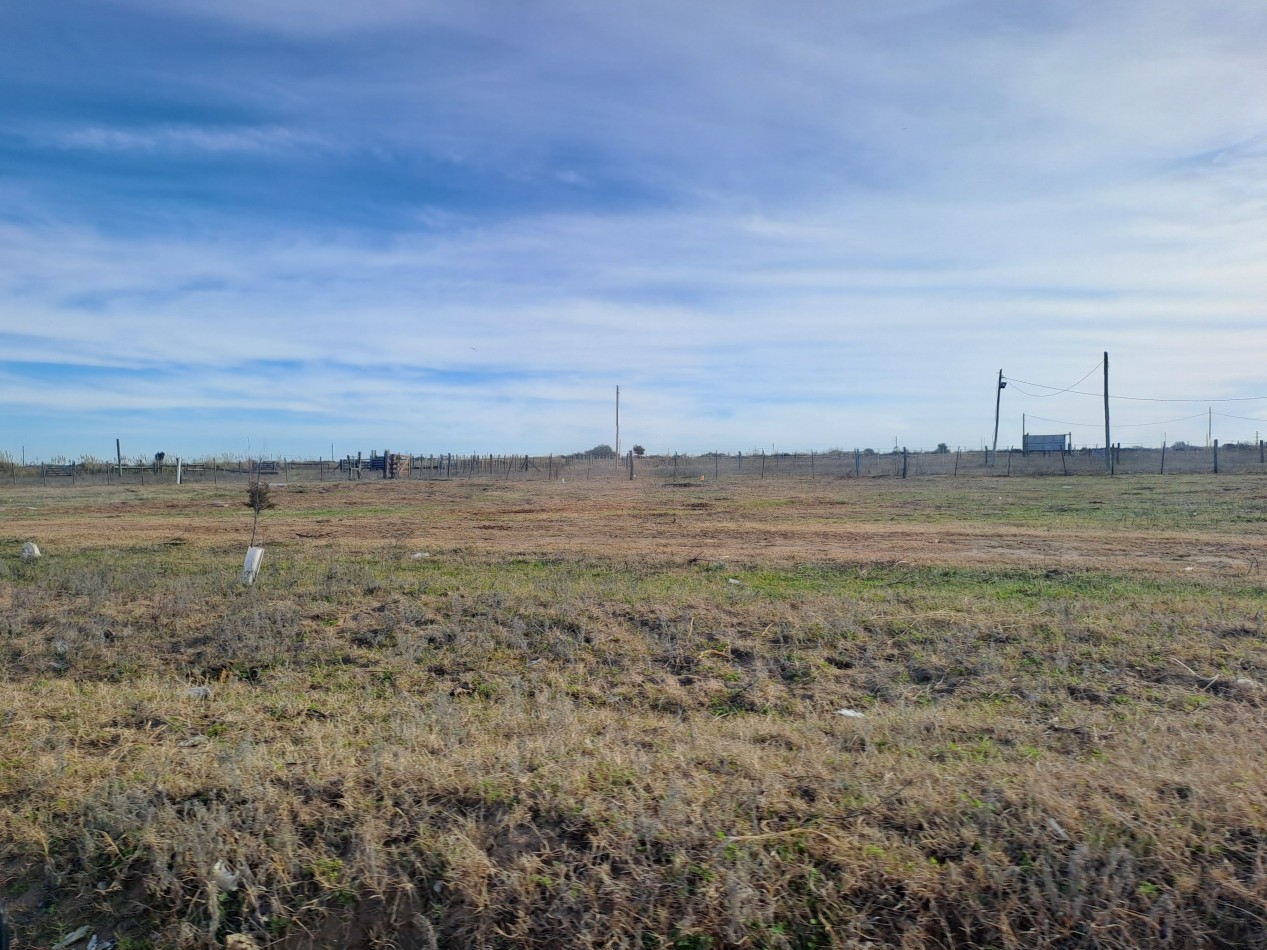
<point x="606" y="713"/>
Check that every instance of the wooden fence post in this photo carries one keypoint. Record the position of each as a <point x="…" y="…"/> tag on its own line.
<point x="763" y="463"/>
<point x="1216" y="456"/>
<point x="1163" y="458"/>
<point x="904" y="461"/>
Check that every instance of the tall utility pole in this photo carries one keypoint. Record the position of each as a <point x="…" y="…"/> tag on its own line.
<point x="1108" y="444"/>
<point x="617" y="425"/>
<point x="998" y="396"/>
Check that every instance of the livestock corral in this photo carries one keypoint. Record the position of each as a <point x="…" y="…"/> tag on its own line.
<point x="649" y="713"/>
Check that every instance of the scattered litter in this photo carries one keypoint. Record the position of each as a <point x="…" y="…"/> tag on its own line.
<point x="197" y="692"/>
<point x="1188" y="568"/>
<point x="73" y="938"/>
<point x="224" y="878"/>
<point x="418" y="555"/>
<point x="30" y="551"/>
<point x="193" y="741"/>
<point x="734" y="580"/>
<point x="851" y="713"/>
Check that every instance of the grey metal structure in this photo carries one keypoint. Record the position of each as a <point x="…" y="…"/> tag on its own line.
<point x="1046" y="443"/>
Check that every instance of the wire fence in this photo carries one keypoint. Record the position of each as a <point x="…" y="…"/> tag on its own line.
<point x="831" y="464"/>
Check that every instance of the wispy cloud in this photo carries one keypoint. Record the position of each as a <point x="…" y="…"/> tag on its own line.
<point x="829" y="225"/>
<point x="182" y="139"/>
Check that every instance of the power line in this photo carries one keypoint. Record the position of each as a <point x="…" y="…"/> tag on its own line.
<point x="1058" y="391"/>
<point x="1243" y="418"/>
<point x="1079" y="392"/>
<point x="1131" y="425"/>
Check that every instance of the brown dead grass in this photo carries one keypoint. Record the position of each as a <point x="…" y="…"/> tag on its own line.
<point x="567" y="727"/>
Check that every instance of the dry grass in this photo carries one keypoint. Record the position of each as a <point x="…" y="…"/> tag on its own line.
<point x="569" y="726"/>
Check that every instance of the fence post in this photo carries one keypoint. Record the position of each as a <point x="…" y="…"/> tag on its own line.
<point x="740" y="468"/>
<point x="1163" y="458"/>
<point x="1216" y="456"/>
<point x="904" y="461"/>
<point x="1009" y="460"/>
<point x="716" y="463"/>
<point x="763" y="463"/>
<point x="1064" y="466"/>
<point x="857" y="463"/>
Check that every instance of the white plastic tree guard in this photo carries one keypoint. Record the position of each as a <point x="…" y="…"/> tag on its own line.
<point x="251" y="566"/>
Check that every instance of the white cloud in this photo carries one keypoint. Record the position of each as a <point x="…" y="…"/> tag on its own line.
<point x="842" y="221"/>
<point x="170" y="138"/>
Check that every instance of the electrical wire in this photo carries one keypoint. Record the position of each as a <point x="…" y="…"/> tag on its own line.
<point x="1079" y="392"/>
<point x="1243" y="418"/>
<point x="1058" y="391"/>
<point x="1120" y="425"/>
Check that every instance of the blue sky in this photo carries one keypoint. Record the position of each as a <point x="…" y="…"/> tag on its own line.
<point x="457" y="227"/>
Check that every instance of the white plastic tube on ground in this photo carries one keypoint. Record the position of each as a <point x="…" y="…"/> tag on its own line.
<point x="251" y="566"/>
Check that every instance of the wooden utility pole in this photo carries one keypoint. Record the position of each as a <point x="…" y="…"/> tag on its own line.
<point x="1108" y="450"/>
<point x="998" y="396"/>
